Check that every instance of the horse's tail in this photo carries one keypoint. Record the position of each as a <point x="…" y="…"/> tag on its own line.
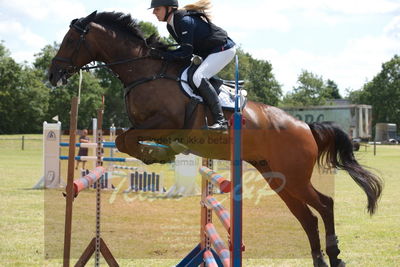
<point x="335" y="150"/>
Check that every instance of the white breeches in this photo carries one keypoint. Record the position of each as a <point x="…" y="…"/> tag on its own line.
<point x="213" y="64"/>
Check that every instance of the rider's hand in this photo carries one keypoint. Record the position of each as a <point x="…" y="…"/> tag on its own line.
<point x="155" y="53"/>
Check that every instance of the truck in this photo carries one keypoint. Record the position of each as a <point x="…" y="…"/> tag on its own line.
<point x="386" y="132"/>
<point x="355" y="120"/>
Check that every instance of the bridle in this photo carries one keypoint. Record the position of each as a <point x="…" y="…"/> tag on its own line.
<point x="72" y="66"/>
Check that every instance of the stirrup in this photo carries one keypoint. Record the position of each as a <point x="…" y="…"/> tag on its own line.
<point x="218" y="126"/>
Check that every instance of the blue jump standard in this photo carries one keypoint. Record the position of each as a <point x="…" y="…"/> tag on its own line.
<point x="112" y="144"/>
<point x="103" y="159"/>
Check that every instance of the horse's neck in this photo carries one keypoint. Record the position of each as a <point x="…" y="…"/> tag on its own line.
<point x="127" y="71"/>
<point x="141" y="67"/>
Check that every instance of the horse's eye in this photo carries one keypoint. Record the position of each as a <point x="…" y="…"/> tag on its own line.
<point x="69" y="42"/>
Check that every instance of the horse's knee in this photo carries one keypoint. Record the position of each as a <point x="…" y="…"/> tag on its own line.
<point x="120" y="143"/>
<point x="328" y="201"/>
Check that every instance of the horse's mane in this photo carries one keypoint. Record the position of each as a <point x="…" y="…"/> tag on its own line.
<point x="119" y="21"/>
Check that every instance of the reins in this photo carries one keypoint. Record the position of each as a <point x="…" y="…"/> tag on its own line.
<point x="72" y="68"/>
<point x="160" y="75"/>
<point x="113" y="63"/>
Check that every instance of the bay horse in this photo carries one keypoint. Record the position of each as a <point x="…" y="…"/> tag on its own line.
<point x="273" y="141"/>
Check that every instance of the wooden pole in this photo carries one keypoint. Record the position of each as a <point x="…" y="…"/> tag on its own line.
<point x="70" y="181"/>
<point x="97" y="246"/>
<point x="99" y="154"/>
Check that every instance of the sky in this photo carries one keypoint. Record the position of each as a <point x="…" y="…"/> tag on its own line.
<point x="342" y="40"/>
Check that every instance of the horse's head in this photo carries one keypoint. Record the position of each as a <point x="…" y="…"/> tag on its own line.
<point x="110" y="37"/>
<point x="74" y="51"/>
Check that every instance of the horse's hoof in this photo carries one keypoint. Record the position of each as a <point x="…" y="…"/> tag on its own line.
<point x="338" y="263"/>
<point x="178" y="147"/>
<point x="319" y="261"/>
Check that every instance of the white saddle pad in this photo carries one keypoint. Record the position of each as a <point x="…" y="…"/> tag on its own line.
<point x="226" y="96"/>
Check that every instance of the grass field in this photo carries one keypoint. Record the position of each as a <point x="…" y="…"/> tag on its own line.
<point x="146" y="230"/>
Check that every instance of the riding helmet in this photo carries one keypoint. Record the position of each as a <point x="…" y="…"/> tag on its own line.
<point x="157" y="3"/>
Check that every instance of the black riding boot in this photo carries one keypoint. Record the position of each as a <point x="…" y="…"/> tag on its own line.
<point x="210" y="97"/>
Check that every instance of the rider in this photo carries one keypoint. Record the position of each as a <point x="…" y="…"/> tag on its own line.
<point x="192" y="29"/>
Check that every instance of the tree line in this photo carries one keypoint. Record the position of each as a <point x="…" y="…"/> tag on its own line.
<point x="27" y="98"/>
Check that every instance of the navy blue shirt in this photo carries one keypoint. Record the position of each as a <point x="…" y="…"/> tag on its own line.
<point x="191" y="32"/>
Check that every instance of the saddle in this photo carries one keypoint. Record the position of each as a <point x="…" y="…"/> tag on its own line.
<point x="225" y="90"/>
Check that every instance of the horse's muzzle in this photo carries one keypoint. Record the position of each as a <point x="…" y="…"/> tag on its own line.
<point x="58" y="77"/>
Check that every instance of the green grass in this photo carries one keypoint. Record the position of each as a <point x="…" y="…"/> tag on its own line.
<point x="144" y="230"/>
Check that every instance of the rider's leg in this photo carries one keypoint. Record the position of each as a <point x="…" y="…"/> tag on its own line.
<point x="211" y="65"/>
<point x="208" y="93"/>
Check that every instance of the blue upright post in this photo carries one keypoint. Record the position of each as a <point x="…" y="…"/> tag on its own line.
<point x="236" y="176"/>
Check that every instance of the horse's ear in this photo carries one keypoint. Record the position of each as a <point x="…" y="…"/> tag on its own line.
<point x="89" y="18"/>
<point x="73" y="22"/>
<point x="152" y="39"/>
<point x="93" y="15"/>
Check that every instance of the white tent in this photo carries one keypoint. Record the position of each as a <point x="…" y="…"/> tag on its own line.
<point x="186" y="172"/>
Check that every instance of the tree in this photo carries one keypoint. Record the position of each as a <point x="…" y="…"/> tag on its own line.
<point x="358" y="96"/>
<point x="331" y="90"/>
<point x="23" y="97"/>
<point x="262" y="84"/>
<point x="115" y="112"/>
<point x="228" y="73"/>
<point x="311" y="90"/>
<point x="60" y="97"/>
<point x="43" y="59"/>
<point x="259" y="79"/>
<point x="90" y="100"/>
<point x="383" y="93"/>
<point x="33" y="102"/>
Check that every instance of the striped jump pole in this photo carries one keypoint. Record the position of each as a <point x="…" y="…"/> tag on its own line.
<point x="219" y="244"/>
<point x="105" y="180"/>
<point x="209" y="259"/>
<point x="94" y="158"/>
<point x="88" y="180"/>
<point x="212" y="251"/>
<point x="111" y="144"/>
<point x="216" y="179"/>
<point x="222" y="213"/>
<point x="93" y="145"/>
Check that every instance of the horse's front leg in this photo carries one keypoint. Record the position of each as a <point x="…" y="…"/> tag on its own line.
<point x="136" y="143"/>
<point x="133" y="141"/>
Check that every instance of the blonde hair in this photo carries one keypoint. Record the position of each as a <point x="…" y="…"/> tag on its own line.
<point x="201" y="6"/>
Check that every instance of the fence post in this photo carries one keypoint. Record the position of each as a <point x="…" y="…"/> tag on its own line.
<point x="23" y="142"/>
